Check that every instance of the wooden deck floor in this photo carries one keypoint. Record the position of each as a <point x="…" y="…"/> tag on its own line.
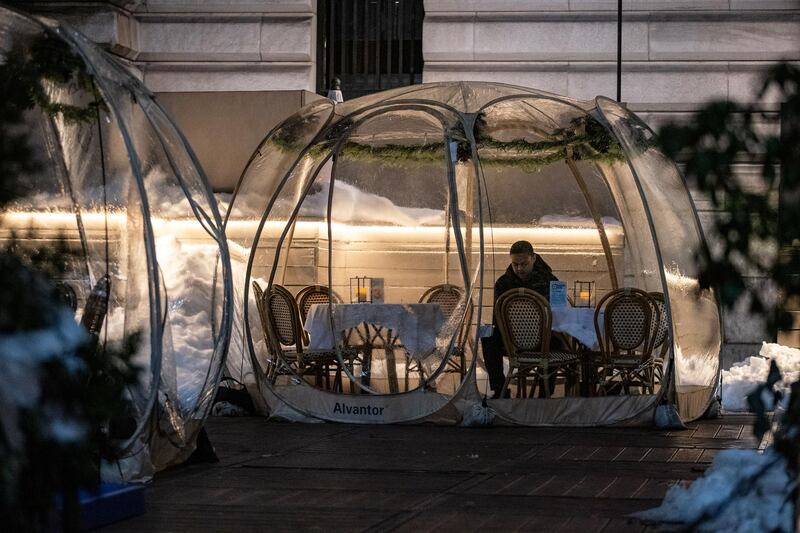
<point x="331" y="477"/>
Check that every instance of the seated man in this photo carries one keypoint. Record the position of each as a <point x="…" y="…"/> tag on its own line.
<point x="527" y="270"/>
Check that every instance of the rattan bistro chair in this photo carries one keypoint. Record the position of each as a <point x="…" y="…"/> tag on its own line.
<point x="322" y="295"/>
<point x="661" y="336"/>
<point x="280" y="363"/>
<point x="626" y="340"/>
<point x="283" y="318"/>
<point x="525" y="320"/>
<point x="311" y="295"/>
<point x="448" y="297"/>
<point x="315" y="294"/>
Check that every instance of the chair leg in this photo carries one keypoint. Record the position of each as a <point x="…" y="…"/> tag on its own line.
<point x="352" y="368"/>
<point x="569" y="380"/>
<point x="337" y="379"/>
<point x="546" y="381"/>
<point x="534" y="384"/>
<point x="507" y="382"/>
<point x="602" y="389"/>
<point x="574" y="382"/>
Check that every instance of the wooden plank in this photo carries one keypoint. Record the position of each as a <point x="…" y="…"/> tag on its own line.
<point x="655" y="440"/>
<point x="606" y="453"/>
<point x="559" y="506"/>
<point x="727" y="431"/>
<point x="623" y="487"/>
<point x="616" y="468"/>
<point x="686" y="455"/>
<point x="591" y="486"/>
<point x="558" y="485"/>
<point x="497" y="484"/>
<point x="706" y="430"/>
<point x="551" y="452"/>
<point x="707" y="456"/>
<point x="632" y="453"/>
<point x="660" y="455"/>
<point x="584" y="524"/>
<point x="655" y="488"/>
<point x="580" y="453"/>
<point x="527" y="484"/>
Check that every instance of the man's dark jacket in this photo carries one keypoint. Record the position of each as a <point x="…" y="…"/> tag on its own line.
<point x="538" y="281"/>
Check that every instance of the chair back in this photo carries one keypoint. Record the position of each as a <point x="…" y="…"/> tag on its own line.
<point x="628" y="316"/>
<point x="283" y="316"/>
<point x="94" y="313"/>
<point x="314" y="294"/>
<point x="661" y="327"/>
<point x="448" y="297"/>
<point x="258" y="294"/>
<point x="524" y="318"/>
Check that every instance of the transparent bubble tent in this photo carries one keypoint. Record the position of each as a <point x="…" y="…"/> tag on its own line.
<point x="118" y="184"/>
<point x="366" y="238"/>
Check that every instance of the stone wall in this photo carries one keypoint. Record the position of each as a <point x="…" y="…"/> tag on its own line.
<point x="677" y="54"/>
<point x="203" y="45"/>
<point x="231" y="126"/>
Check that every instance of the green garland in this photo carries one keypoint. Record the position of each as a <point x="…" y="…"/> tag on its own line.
<point x="585" y="138"/>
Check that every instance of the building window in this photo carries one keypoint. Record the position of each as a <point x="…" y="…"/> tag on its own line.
<point x="370" y="45"/>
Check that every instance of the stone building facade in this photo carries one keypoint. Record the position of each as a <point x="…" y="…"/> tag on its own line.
<point x="250" y="63"/>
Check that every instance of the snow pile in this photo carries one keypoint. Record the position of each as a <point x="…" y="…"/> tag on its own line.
<point x="188" y="271"/>
<point x="188" y="275"/>
<point x="744" y="377"/>
<point x="352" y="205"/>
<point x="744" y="491"/>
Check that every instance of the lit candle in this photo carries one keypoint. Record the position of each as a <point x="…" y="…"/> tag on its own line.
<point x="362" y="294"/>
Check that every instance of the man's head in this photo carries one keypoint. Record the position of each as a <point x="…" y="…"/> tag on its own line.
<point x="522" y="259"/>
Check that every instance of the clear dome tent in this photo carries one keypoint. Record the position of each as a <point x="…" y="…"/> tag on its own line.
<point x="118" y="186"/>
<point x="366" y="238"/>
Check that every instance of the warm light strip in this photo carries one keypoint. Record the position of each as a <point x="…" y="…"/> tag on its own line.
<point x="58" y="219"/>
<point x="95" y="221"/>
<point x="309" y="229"/>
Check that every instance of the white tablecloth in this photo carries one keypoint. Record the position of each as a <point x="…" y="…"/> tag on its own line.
<point x="577" y="322"/>
<point x="415" y="324"/>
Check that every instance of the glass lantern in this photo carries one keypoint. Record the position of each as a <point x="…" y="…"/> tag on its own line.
<point x="582" y="293"/>
<point x="361" y="290"/>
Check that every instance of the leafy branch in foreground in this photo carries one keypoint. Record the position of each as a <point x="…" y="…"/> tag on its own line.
<point x="61" y="392"/>
<point x="758" y="227"/>
<point x="758" y="234"/>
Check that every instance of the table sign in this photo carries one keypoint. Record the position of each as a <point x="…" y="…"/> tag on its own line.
<point x="558" y="294"/>
<point x="377" y="290"/>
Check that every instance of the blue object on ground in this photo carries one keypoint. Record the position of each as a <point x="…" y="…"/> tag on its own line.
<point x="111" y="503"/>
